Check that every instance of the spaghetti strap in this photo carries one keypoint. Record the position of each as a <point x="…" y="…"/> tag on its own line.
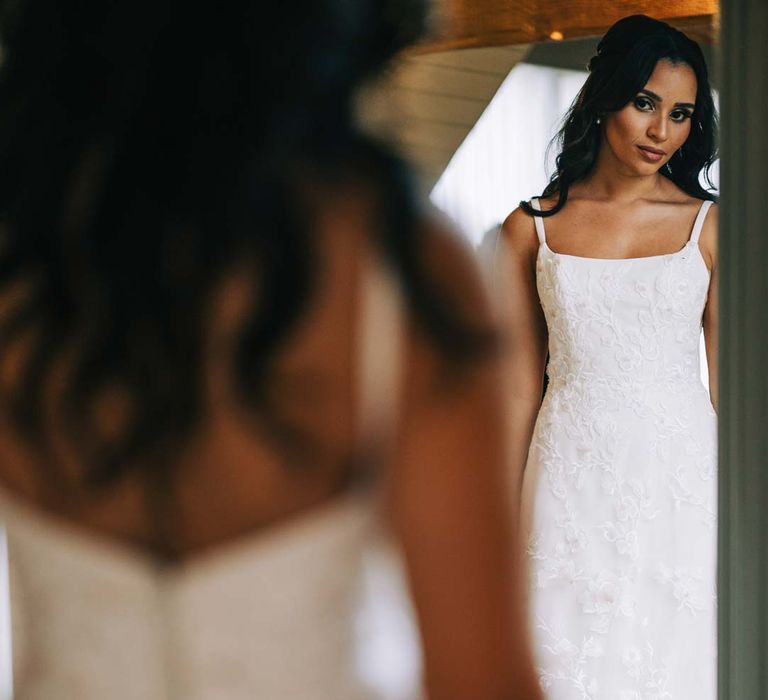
<point x="699" y="223"/>
<point x="538" y="221"/>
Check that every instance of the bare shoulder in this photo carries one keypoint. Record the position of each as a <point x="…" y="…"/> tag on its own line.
<point x="708" y="237"/>
<point x="519" y="234"/>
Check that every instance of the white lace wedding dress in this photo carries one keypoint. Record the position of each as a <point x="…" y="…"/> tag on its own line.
<point x="272" y="616"/>
<point x="620" y="485"/>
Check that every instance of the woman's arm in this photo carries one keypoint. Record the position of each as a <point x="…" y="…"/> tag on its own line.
<point x="453" y="514"/>
<point x="708" y="243"/>
<point x="525" y="335"/>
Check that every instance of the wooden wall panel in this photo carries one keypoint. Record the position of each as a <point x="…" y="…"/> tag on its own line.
<point x="464" y="23"/>
<point x="429" y="102"/>
<point x="447" y="82"/>
<point x="493" y="60"/>
<point x="427" y="106"/>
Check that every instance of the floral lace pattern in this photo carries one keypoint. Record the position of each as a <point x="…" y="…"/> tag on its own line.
<point x="622" y="482"/>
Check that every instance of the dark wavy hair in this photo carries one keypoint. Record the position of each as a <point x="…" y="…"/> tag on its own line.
<point x="146" y="150"/>
<point x="626" y="57"/>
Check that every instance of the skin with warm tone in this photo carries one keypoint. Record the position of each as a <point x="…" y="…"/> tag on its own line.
<point x="623" y="209"/>
<point x="445" y="483"/>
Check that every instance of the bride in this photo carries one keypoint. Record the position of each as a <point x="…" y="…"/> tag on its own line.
<point x="228" y="343"/>
<point x="613" y="272"/>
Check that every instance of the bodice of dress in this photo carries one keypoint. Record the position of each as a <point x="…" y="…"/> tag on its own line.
<point x="622" y="324"/>
<point x="271" y="617"/>
<point x="619" y="491"/>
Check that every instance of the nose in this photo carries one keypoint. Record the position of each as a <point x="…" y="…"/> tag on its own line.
<point x="658" y="128"/>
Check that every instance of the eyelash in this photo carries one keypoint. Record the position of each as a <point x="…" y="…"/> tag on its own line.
<point x="640" y="101"/>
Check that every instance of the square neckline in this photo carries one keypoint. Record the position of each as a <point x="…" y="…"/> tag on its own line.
<point x="688" y="243"/>
<point x="693" y="238"/>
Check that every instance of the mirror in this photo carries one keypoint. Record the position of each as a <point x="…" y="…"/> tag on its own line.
<point x="477" y="121"/>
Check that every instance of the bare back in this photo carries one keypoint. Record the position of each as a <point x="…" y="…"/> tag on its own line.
<point x="444" y="488"/>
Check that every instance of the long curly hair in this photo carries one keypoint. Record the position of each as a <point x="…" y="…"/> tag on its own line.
<point x="146" y="149"/>
<point x="626" y="57"/>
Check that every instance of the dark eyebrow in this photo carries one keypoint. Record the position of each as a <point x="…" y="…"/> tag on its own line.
<point x="656" y="97"/>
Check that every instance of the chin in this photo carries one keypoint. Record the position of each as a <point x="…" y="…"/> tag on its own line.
<point x="646" y="168"/>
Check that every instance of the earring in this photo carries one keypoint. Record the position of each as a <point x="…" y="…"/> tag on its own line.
<point x="597" y="121"/>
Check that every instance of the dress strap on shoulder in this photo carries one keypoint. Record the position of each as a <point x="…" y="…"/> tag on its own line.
<point x="699" y="223"/>
<point x="538" y="221"/>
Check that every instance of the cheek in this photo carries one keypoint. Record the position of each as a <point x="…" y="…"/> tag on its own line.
<point x="623" y="128"/>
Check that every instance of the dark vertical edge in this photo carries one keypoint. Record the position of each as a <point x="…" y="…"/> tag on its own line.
<point x="743" y="494"/>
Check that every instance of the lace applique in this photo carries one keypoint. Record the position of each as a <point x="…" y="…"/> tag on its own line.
<point x="687" y="587"/>
<point x="573" y="662"/>
<point x="622" y="545"/>
<point x="640" y="667"/>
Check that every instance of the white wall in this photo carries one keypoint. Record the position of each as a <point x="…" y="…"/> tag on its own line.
<point x="502" y="160"/>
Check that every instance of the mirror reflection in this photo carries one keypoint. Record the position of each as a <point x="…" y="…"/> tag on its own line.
<point x="605" y="275"/>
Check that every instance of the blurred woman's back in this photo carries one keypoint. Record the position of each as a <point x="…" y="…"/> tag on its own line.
<point x="198" y="407"/>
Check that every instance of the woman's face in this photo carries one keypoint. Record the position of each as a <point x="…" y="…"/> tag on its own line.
<point x="645" y="134"/>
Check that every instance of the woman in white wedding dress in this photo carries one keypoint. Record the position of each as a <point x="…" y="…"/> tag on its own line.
<point x="612" y="272"/>
<point x="227" y="336"/>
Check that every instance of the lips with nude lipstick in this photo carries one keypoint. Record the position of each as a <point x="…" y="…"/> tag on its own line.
<point x="651" y="154"/>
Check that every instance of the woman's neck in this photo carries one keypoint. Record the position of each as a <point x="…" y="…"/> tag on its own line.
<point x="611" y="180"/>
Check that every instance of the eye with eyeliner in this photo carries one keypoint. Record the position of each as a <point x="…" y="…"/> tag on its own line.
<point x="645" y="104"/>
<point x="682" y="115"/>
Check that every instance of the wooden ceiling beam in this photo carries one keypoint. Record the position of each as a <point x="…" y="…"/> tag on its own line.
<point x="473" y="23"/>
